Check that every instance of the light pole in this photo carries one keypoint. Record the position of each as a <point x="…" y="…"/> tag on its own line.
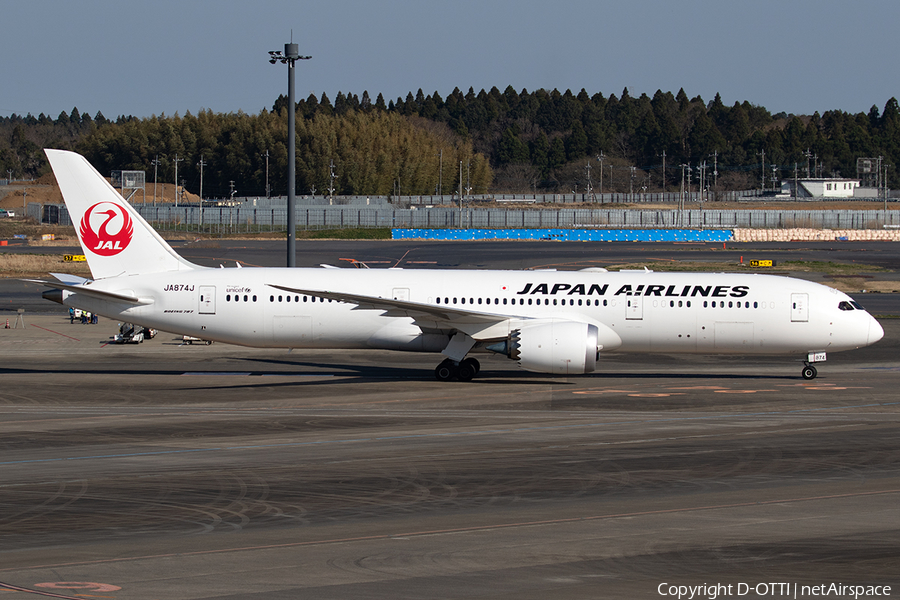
<point x="290" y="55"/>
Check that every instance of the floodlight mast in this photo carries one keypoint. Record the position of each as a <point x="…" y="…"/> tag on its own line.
<point x="290" y="55"/>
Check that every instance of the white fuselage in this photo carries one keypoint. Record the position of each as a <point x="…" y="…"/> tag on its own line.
<point x="647" y="311"/>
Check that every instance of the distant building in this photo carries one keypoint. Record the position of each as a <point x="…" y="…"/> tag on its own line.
<point x="820" y="188"/>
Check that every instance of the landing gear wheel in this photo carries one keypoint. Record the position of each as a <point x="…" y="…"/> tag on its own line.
<point x="809" y="372"/>
<point x="466" y="371"/>
<point x="476" y="366"/>
<point x="446" y="370"/>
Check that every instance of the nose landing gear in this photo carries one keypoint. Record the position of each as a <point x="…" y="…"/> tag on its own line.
<point x="808" y="372"/>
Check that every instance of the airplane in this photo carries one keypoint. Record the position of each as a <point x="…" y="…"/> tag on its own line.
<point x="547" y="321"/>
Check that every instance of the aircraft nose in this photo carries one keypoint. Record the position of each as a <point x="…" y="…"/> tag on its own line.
<point x="876" y="332"/>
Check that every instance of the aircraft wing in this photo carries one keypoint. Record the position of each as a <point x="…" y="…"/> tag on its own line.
<point x="456" y="318"/>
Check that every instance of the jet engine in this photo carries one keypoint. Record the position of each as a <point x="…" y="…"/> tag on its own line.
<point x="558" y="347"/>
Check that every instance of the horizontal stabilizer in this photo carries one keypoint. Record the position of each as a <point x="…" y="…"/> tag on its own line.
<point x="70" y="279"/>
<point x="87" y="291"/>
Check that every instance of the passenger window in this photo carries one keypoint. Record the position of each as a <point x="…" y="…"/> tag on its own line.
<point x="529" y="302"/>
<point x="254" y="298"/>
<point x="228" y="298"/>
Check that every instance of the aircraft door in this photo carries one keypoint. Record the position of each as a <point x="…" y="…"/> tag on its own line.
<point x="207" y="300"/>
<point x="634" y="308"/>
<point x="799" y="308"/>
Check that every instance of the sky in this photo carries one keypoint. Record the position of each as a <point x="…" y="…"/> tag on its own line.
<point x="165" y="57"/>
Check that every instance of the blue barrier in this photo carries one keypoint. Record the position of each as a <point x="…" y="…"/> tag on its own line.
<point x="568" y="235"/>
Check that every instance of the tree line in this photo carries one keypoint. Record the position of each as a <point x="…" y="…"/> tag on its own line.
<point x="546" y="141"/>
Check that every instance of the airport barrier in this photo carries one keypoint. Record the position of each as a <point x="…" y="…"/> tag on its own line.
<point x="568" y="235"/>
<point x="222" y="219"/>
<point x="451" y="200"/>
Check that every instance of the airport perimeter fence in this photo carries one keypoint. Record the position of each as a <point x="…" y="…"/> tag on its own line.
<point x="450" y="200"/>
<point x="230" y="220"/>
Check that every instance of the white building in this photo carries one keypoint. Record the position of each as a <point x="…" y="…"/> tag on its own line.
<point x="820" y="188"/>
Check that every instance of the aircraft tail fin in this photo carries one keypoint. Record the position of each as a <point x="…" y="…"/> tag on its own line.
<point x="115" y="238"/>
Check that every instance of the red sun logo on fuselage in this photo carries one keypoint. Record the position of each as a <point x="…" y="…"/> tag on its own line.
<point x="96" y="224"/>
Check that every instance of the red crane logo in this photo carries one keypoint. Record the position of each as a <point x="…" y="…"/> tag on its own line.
<point x="98" y="239"/>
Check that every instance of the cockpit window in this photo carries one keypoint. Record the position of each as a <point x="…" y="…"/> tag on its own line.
<point x="856" y="305"/>
<point x="844" y="305"/>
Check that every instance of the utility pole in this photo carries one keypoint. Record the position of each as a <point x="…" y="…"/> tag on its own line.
<point x="590" y="185"/>
<point x="468" y="179"/>
<point x="267" y="172"/>
<point x="331" y="184"/>
<point x="600" y="158"/>
<point x="762" y="167"/>
<point x="460" y="194"/>
<point x="177" y="160"/>
<point x="886" y="167"/>
<point x="716" y="170"/>
<point x="664" y="172"/>
<point x="201" y="164"/>
<point x="155" y="163"/>
<point x="441" y="172"/>
<point x="631" y="185"/>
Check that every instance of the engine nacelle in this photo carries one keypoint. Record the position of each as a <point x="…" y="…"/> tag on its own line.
<point x="558" y="347"/>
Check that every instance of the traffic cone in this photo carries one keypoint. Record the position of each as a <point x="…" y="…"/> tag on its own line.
<point x="7" y="322"/>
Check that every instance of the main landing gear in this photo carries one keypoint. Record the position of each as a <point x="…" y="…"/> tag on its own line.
<point x="808" y="372"/>
<point x="464" y="370"/>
